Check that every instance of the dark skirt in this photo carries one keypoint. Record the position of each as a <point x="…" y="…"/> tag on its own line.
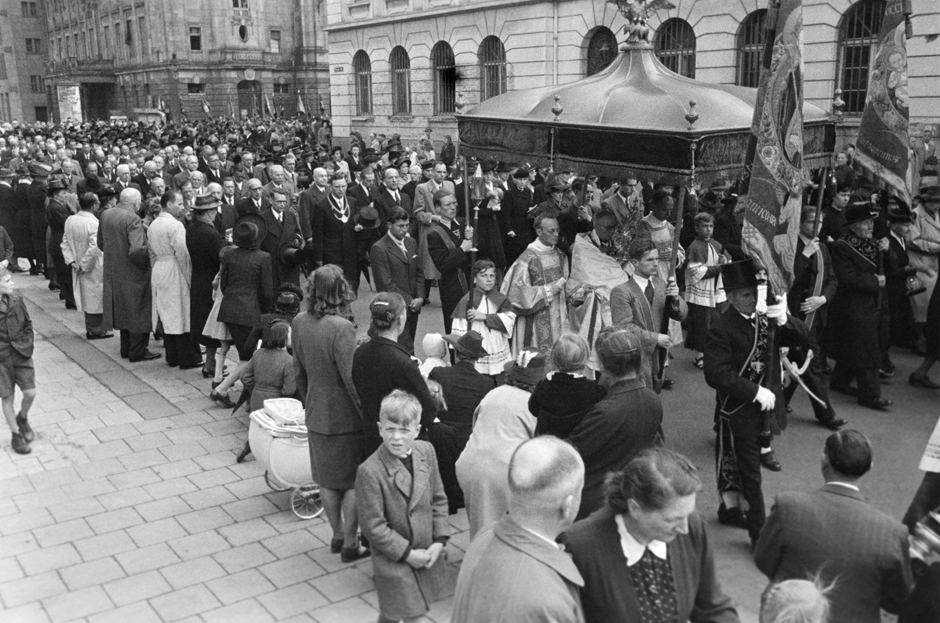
<point x="240" y="335"/>
<point x="334" y="459"/>
<point x="699" y="321"/>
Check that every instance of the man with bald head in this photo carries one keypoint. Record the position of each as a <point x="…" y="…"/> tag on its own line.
<point x="514" y="571"/>
<point x="127" y="296"/>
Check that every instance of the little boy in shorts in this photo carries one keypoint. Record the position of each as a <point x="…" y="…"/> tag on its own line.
<point x="16" y="362"/>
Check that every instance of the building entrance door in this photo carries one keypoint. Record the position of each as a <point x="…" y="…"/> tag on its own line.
<point x="249" y="97"/>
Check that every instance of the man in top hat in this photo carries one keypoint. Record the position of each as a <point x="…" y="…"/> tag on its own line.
<point x="127" y="295"/>
<point x="170" y="279"/>
<point x="280" y="243"/>
<point x="924" y="249"/>
<point x="814" y="287"/>
<point x="854" y="340"/>
<point x="463" y="387"/>
<point x="746" y="411"/>
<point x="56" y="214"/>
<point x="897" y="272"/>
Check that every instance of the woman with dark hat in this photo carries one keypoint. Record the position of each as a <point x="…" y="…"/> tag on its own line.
<point x="324" y="340"/>
<point x="382" y="365"/>
<point x="503" y="421"/>
<point x="205" y="245"/>
<point x="247" y="289"/>
<point x="853" y="338"/>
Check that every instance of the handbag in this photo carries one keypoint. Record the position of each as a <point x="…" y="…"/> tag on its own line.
<point x="914" y="285"/>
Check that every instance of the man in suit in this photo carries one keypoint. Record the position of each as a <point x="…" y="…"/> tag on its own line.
<point x="627" y="203"/>
<point x="127" y="293"/>
<point x="143" y="179"/>
<point x="545" y="480"/>
<point x="388" y="196"/>
<point x="627" y="420"/>
<point x="814" y="286"/>
<point x="254" y="203"/>
<point x="228" y="212"/>
<point x="278" y="184"/>
<point x="746" y="411"/>
<point x="334" y="233"/>
<point x="449" y="242"/>
<point x="191" y="164"/>
<point x="836" y="533"/>
<point x="396" y="267"/>
<point x="214" y="172"/>
<point x="362" y="190"/>
<point x="124" y="180"/>
<point x="318" y="189"/>
<point x="514" y="224"/>
<point x="643" y="305"/>
<point x="282" y="228"/>
<point x="425" y="214"/>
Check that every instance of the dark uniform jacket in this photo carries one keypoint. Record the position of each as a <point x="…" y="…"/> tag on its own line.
<point x="805" y="273"/>
<point x="853" y="336"/>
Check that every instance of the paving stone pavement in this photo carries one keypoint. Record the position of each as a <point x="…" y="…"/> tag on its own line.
<point x="132" y="508"/>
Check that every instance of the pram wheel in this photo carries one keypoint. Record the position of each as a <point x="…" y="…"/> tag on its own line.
<point x="305" y="501"/>
<point x="273" y="483"/>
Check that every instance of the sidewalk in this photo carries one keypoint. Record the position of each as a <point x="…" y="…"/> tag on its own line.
<point x="132" y="508"/>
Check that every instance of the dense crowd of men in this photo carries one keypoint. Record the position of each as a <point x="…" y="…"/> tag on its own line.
<point x="129" y="222"/>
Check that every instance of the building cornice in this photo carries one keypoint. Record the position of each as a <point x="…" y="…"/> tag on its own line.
<point x="428" y="14"/>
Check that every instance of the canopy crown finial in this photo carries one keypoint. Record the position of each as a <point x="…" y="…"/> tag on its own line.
<point x="636" y="13"/>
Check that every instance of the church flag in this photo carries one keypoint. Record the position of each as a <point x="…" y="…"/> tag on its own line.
<point x="773" y="186"/>
<point x="205" y="107"/>
<point x="883" y="146"/>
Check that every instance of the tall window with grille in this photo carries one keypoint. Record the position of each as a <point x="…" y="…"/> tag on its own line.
<point x="858" y="37"/>
<point x="362" y="70"/>
<point x="492" y="57"/>
<point x="675" y="46"/>
<point x="195" y="38"/>
<point x="751" y="40"/>
<point x="400" y="66"/>
<point x="445" y="78"/>
<point x="602" y="50"/>
<point x="275" y="46"/>
<point x="36" y="84"/>
<point x="33" y="46"/>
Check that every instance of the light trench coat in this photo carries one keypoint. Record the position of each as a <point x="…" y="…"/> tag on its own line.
<point x="923" y="251"/>
<point x="171" y="273"/>
<point x="80" y="248"/>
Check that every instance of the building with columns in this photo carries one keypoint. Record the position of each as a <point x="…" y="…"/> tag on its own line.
<point x="23" y="54"/>
<point x="405" y="65"/>
<point x="127" y="57"/>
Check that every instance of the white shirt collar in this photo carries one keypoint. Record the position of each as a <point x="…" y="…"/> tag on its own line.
<point x="641" y="281"/>
<point x="843" y="484"/>
<point x="632" y="549"/>
<point x="805" y="239"/>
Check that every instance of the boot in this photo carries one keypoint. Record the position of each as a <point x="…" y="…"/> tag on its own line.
<point x="244" y="453"/>
<point x="25" y="429"/>
<point x="20" y="445"/>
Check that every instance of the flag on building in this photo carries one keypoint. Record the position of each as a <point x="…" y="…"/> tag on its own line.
<point x="205" y="107"/>
<point x="883" y="145"/>
<point x="231" y="107"/>
<point x="773" y="189"/>
<point x="301" y="109"/>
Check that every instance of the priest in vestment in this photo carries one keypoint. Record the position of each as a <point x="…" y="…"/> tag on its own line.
<point x="535" y="285"/>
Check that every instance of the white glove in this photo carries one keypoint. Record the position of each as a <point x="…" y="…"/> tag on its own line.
<point x="778" y="311"/>
<point x="766" y="398"/>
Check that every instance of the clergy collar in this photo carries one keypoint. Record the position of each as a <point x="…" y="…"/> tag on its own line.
<point x="544" y="538"/>
<point x="632" y="549"/>
<point x="539" y="246"/>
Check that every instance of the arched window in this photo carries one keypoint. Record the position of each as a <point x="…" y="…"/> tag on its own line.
<point x="492" y="56"/>
<point x="858" y="37"/>
<point x="675" y="46"/>
<point x="751" y="39"/>
<point x="602" y="50"/>
<point x="401" y="81"/>
<point x="362" y="68"/>
<point x="445" y="78"/>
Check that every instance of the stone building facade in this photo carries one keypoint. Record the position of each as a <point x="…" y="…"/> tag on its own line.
<point x="23" y="53"/>
<point x="405" y="65"/>
<point x="131" y="57"/>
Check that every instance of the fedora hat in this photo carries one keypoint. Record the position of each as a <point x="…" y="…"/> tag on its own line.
<point x="56" y="183"/>
<point x="858" y="212"/>
<point x="249" y="230"/>
<point x="294" y="252"/>
<point x="368" y="217"/>
<point x="737" y="275"/>
<point x="898" y="211"/>
<point x="709" y="201"/>
<point x="470" y="344"/>
<point x="929" y="187"/>
<point x="528" y="368"/>
<point x="206" y="202"/>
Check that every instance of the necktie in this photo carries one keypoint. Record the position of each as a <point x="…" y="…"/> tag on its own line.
<point x="648" y="291"/>
<point x="397" y="197"/>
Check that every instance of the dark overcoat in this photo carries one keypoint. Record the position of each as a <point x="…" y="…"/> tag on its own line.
<point x="204" y="245"/>
<point x="247" y="286"/>
<point x="36" y="200"/>
<point x="334" y="242"/>
<point x="853" y="336"/>
<point x="280" y="234"/>
<point x="127" y="292"/>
